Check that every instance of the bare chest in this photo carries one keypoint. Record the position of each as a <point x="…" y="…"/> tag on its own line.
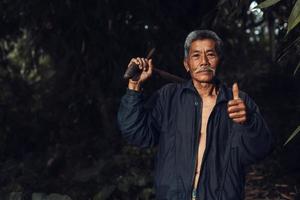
<point x="207" y="108"/>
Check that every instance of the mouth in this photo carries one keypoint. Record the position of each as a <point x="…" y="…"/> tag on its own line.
<point x="204" y="71"/>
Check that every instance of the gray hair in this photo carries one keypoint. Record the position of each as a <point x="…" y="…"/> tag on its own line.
<point x="201" y="35"/>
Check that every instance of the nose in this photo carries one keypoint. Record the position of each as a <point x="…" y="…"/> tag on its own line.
<point x="204" y="60"/>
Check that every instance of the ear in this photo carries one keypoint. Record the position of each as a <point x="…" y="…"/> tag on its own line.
<point x="186" y="65"/>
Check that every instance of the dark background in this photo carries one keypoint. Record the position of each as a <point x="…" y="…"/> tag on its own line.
<point x="61" y="68"/>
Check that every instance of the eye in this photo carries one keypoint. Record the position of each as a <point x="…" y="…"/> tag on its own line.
<point x="195" y="55"/>
<point x="211" y="55"/>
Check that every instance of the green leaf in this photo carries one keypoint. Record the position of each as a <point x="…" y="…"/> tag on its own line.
<point x="298" y="66"/>
<point x="294" y="17"/>
<point x="293" y="135"/>
<point x="267" y="3"/>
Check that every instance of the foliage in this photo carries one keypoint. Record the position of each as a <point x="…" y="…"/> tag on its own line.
<point x="267" y="3"/>
<point x="297" y="130"/>
<point x="61" y="67"/>
<point x="293" y="20"/>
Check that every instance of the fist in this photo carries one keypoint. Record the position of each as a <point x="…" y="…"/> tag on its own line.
<point x="236" y="107"/>
<point x="145" y="66"/>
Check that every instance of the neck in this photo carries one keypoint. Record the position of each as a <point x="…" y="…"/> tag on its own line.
<point x="205" y="89"/>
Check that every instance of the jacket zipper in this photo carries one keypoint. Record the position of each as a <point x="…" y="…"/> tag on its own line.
<point x="197" y="141"/>
<point x="198" y="126"/>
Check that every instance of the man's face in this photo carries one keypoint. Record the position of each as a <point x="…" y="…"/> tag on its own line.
<point x="202" y="60"/>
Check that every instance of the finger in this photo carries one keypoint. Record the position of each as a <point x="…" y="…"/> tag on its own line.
<point x="235" y="102"/>
<point x="240" y="120"/>
<point x="235" y="91"/>
<point x="233" y="109"/>
<point x="236" y="108"/>
<point x="144" y="64"/>
<point x="239" y="114"/>
<point x="150" y="66"/>
<point x="133" y="61"/>
<point x="140" y="63"/>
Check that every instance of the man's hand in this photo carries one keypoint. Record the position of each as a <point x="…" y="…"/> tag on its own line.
<point x="236" y="107"/>
<point x="146" y="66"/>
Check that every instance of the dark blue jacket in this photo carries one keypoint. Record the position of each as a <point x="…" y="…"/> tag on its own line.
<point x="174" y="123"/>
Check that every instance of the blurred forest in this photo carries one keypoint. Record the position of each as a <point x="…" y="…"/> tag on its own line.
<point x="61" y="68"/>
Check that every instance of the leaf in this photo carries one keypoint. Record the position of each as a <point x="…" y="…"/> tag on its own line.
<point x="293" y="135"/>
<point x="298" y="66"/>
<point x="267" y="3"/>
<point x="294" y="17"/>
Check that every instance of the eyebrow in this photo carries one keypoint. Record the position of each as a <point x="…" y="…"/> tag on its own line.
<point x="209" y="50"/>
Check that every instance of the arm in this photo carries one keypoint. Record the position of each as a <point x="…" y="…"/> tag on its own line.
<point x="139" y="126"/>
<point x="253" y="137"/>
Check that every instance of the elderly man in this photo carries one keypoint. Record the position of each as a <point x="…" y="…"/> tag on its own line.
<point x="206" y="133"/>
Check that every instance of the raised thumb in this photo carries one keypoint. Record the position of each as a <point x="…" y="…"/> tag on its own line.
<point x="235" y="91"/>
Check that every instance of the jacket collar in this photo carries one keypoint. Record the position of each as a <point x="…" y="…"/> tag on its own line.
<point x="223" y="91"/>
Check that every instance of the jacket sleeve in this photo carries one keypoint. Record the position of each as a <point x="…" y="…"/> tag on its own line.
<point x="253" y="138"/>
<point x="138" y="125"/>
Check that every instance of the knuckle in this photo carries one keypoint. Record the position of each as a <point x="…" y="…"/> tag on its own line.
<point x="235" y="109"/>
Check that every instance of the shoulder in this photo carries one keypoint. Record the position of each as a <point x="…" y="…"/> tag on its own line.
<point x="169" y="89"/>
<point x="166" y="94"/>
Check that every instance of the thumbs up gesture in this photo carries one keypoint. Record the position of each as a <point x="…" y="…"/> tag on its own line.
<point x="236" y="107"/>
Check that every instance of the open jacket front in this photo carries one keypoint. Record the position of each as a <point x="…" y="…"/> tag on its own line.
<point x="174" y="122"/>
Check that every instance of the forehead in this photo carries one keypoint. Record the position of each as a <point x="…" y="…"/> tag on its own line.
<point x="204" y="44"/>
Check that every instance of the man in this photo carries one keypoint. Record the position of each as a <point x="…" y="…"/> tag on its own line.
<point x="206" y="133"/>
